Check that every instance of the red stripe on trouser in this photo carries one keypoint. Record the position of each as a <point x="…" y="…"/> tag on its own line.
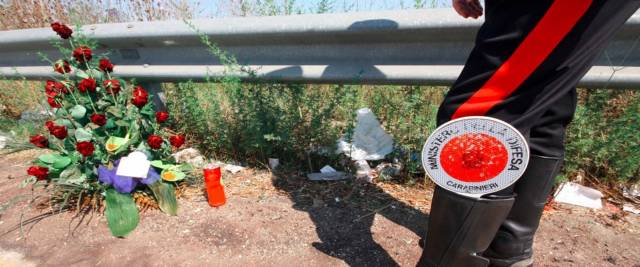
<point x="556" y="23"/>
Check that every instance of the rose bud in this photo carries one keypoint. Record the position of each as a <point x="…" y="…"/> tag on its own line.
<point x="87" y="84"/>
<point x="82" y="54"/>
<point x="39" y="141"/>
<point x="85" y="148"/>
<point x="62" y="66"/>
<point x="177" y="140"/>
<point x="140" y="97"/>
<point x="105" y="65"/>
<point x="162" y="116"/>
<point x="59" y="132"/>
<point x="139" y="101"/>
<point x="49" y="125"/>
<point x="53" y="103"/>
<point x="99" y="119"/>
<point x="112" y="86"/>
<point x="41" y="173"/>
<point x="155" y="142"/>
<point x="62" y="30"/>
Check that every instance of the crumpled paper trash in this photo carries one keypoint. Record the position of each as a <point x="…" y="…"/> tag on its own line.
<point x="369" y="141"/>
<point x="579" y="195"/>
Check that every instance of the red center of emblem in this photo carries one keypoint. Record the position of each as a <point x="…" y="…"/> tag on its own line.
<point x="474" y="157"/>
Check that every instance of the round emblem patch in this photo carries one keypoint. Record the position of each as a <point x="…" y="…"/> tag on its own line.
<point x="475" y="155"/>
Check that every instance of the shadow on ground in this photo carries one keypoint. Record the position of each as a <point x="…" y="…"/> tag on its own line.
<point x="343" y="213"/>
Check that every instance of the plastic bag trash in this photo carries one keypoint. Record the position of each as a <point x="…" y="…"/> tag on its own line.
<point x="364" y="171"/>
<point x="327" y="169"/>
<point x="274" y="163"/>
<point x="369" y="141"/>
<point x="331" y="176"/>
<point x="579" y="195"/>
<point x="630" y="208"/>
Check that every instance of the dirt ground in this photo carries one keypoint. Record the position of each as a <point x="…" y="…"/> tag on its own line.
<point x="282" y="220"/>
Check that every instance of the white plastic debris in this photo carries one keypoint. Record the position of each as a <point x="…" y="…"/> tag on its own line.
<point x="632" y="191"/>
<point x="134" y="165"/>
<point x="369" y="140"/>
<point x="579" y="195"/>
<point x="363" y="171"/>
<point x="630" y="208"/>
<point x="3" y="141"/>
<point x="191" y="156"/>
<point x="332" y="176"/>
<point x="327" y="169"/>
<point x="233" y="168"/>
<point x="274" y="163"/>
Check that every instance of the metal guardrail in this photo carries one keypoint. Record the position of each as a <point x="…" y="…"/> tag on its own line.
<point x="397" y="47"/>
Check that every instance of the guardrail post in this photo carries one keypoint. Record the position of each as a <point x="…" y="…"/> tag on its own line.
<point x="159" y="99"/>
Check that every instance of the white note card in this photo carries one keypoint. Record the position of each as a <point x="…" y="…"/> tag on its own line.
<point x="135" y="165"/>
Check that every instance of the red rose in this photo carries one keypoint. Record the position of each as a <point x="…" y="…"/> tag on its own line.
<point x="59" y="132"/>
<point x="53" y="103"/>
<point x="162" y="116"/>
<point x="62" y="30"/>
<point x="39" y="141"/>
<point x="177" y="140"/>
<point x="62" y="66"/>
<point x="82" y="54"/>
<point x="112" y="86"/>
<point x="99" y="119"/>
<point x="87" y="84"/>
<point x="52" y="88"/>
<point x="155" y="142"/>
<point x="140" y="97"/>
<point x="105" y="65"/>
<point x="139" y="101"/>
<point x="41" y="173"/>
<point x="85" y="148"/>
<point x="49" y="125"/>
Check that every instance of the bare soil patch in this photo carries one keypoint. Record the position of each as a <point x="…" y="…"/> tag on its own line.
<point x="282" y="220"/>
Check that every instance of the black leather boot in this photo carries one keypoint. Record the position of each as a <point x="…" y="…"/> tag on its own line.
<point x="460" y="228"/>
<point x="512" y="245"/>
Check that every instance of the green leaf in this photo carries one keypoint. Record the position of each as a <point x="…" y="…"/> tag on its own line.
<point x="116" y="112"/>
<point x="61" y="162"/>
<point x="78" y="112"/>
<point x="148" y="110"/>
<point x="160" y="165"/>
<point x="70" y="172"/>
<point x="83" y="135"/>
<point x="122" y="213"/>
<point x="64" y="122"/>
<point x="122" y="123"/>
<point x="81" y="74"/>
<point x="165" y="194"/>
<point x="48" y="158"/>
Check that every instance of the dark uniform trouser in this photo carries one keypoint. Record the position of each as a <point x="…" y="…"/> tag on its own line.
<point x="528" y="58"/>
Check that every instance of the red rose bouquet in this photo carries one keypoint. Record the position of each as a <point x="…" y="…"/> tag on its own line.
<point x="100" y="122"/>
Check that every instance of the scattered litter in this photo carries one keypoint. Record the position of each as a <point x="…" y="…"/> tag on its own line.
<point x="327" y="169"/>
<point x="369" y="140"/>
<point x="332" y="176"/>
<point x="630" y="208"/>
<point x="632" y="191"/>
<point x="233" y="168"/>
<point x="191" y="156"/>
<point x="274" y="163"/>
<point x="389" y="169"/>
<point x="364" y="171"/>
<point x="3" y="141"/>
<point x="575" y="194"/>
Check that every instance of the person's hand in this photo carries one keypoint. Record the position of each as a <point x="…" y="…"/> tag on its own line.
<point x="468" y="8"/>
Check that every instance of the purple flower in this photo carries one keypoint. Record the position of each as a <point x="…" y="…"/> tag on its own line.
<point x="124" y="184"/>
